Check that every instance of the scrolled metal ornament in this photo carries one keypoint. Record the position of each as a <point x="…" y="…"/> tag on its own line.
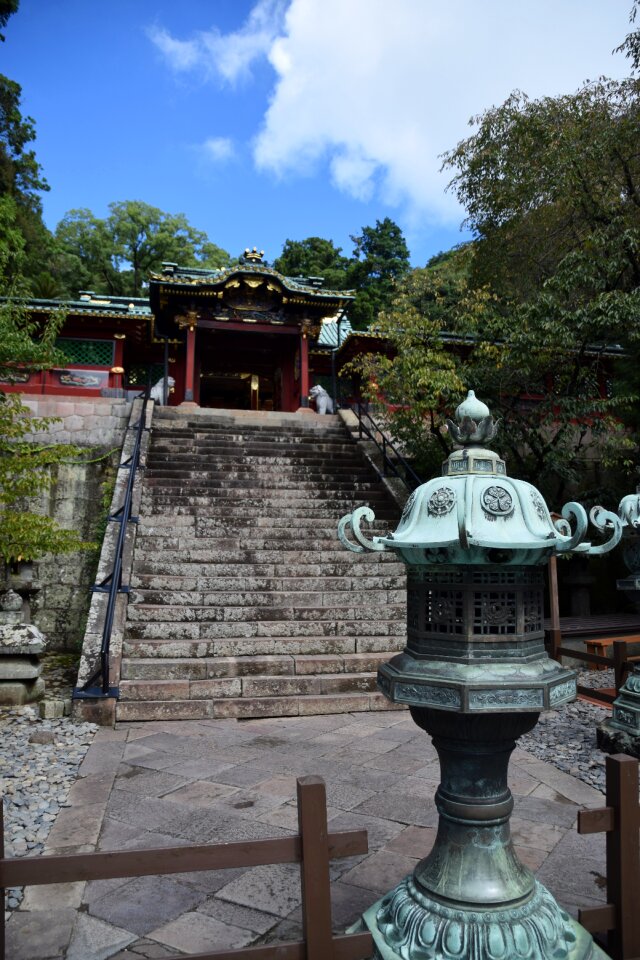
<point x="353" y="520"/>
<point x="606" y="522"/>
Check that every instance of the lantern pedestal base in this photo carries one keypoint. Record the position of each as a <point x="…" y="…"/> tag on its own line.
<point x="405" y="925"/>
<point x="471" y="898"/>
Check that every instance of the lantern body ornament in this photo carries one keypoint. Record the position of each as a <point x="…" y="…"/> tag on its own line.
<point x="475" y="676"/>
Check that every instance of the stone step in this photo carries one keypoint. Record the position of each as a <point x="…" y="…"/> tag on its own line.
<point x="281" y="487"/>
<point x="249" y="638"/>
<point x="243" y="601"/>
<point x="262" y="646"/>
<point x="335" y="429"/>
<point x="201" y="434"/>
<point x="240" y="458"/>
<point x="193" y="506"/>
<point x="296" y="612"/>
<point x="259" y="598"/>
<point x="202" y="668"/>
<point x="294" y="466"/>
<point x="240" y="708"/>
<point x="294" y="471"/>
<point x="232" y="537"/>
<point x="248" y="554"/>
<point x="247" y="686"/>
<point x="270" y="496"/>
<point x="308" y="566"/>
<point x="216" y="448"/>
<point x="154" y="582"/>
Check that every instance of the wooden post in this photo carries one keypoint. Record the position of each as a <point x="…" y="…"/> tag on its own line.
<point x="554" y="608"/>
<point x="191" y="364"/>
<point x="619" y="660"/>
<point x="2" y="889"/>
<point x="314" y="868"/>
<point x="623" y="855"/>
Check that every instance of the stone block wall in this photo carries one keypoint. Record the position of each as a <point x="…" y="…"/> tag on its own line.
<point x="86" y="421"/>
<point x="56" y="590"/>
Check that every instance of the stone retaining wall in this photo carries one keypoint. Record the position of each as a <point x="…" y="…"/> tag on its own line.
<point x="86" y="421"/>
<point x="56" y="589"/>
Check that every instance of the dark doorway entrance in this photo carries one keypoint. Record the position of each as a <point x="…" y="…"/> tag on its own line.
<point x="245" y="371"/>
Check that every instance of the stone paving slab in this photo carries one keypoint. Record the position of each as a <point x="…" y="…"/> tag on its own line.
<point x="174" y="783"/>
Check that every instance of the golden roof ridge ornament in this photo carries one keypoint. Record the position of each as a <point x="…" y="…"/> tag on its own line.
<point x="252" y="256"/>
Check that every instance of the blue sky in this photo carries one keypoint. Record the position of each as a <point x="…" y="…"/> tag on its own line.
<point x="277" y="119"/>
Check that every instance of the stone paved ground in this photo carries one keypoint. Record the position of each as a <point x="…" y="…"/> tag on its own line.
<point x="160" y="784"/>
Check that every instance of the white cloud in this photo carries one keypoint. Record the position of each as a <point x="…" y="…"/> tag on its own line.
<point x="231" y="55"/>
<point x="180" y="54"/>
<point x="378" y="90"/>
<point x="218" y="149"/>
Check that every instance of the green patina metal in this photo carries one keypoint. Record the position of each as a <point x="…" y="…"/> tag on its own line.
<point x="620" y="733"/>
<point x="475" y="676"/>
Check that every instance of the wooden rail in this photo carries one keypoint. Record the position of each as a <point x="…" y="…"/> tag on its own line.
<point x="620" y="820"/>
<point x="312" y="848"/>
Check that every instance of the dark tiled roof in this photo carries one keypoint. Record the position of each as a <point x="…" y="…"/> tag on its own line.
<point x="191" y="276"/>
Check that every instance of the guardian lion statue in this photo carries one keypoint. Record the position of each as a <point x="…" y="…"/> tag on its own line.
<point x="324" y="403"/>
<point x="157" y="391"/>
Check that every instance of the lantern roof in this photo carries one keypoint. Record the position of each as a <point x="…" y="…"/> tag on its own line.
<point x="475" y="513"/>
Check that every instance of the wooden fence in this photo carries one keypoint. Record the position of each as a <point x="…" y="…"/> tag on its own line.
<point x="620" y="820"/>
<point x="619" y="660"/>
<point x="313" y="847"/>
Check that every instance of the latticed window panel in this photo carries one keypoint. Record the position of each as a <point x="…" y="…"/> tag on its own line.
<point x="413" y="611"/>
<point x="498" y="577"/>
<point x="532" y="611"/>
<point x="494" y="613"/>
<point x="141" y="374"/>
<point x="90" y="353"/>
<point x="444" y="611"/>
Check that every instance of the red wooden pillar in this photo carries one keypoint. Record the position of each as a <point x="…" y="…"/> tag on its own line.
<point x="191" y="364"/>
<point x="304" y="371"/>
<point x="117" y="370"/>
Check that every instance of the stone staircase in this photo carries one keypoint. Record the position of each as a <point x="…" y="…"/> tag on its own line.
<point x="243" y="602"/>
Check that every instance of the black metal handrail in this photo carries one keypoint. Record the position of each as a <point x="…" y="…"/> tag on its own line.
<point x="112" y="583"/>
<point x="367" y="427"/>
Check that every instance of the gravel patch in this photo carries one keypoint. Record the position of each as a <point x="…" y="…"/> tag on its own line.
<point x="39" y="760"/>
<point x="566" y="737"/>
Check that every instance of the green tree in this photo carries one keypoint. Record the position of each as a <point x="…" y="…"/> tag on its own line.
<point x="552" y="191"/>
<point x="380" y="259"/>
<point x="314" y="257"/>
<point x="448" y="335"/>
<point x="553" y="184"/>
<point x="116" y="254"/>
<point x="144" y="236"/>
<point x="86" y="255"/>
<point x="20" y="173"/>
<point x="7" y="8"/>
<point x="25" y="467"/>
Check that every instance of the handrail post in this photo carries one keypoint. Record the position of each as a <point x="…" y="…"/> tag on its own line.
<point x="314" y="868"/>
